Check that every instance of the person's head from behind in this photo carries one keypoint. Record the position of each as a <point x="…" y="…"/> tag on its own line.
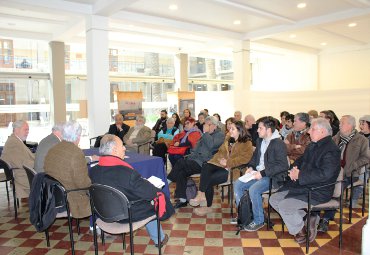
<point x="319" y="129"/>
<point x="118" y="119"/>
<point x="72" y="132"/>
<point x="238" y="115"/>
<point x="140" y="120"/>
<point x="289" y="120"/>
<point x="186" y="113"/>
<point x="301" y="121"/>
<point x="163" y="114"/>
<point x="21" y="129"/>
<point x="283" y="116"/>
<point x="189" y="124"/>
<point x="57" y="129"/>
<point x="239" y="132"/>
<point x="201" y="118"/>
<point x="170" y="123"/>
<point x="210" y="124"/>
<point x="249" y="120"/>
<point x="112" y="145"/>
<point x="365" y="124"/>
<point x="266" y="127"/>
<point x="217" y="116"/>
<point x="347" y="124"/>
<point x="327" y="115"/>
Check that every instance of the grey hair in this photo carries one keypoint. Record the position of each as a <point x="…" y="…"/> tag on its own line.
<point x="323" y="123"/>
<point x="351" y="120"/>
<point x="212" y="119"/>
<point x="71" y="131"/>
<point x="170" y="120"/>
<point x="58" y="127"/>
<point x="107" y="143"/>
<point x="18" y="124"/>
<point x="118" y="115"/>
<point x="238" y="112"/>
<point x="138" y="117"/>
<point x="304" y="117"/>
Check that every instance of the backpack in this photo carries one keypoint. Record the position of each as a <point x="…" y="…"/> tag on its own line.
<point x="245" y="213"/>
<point x="191" y="189"/>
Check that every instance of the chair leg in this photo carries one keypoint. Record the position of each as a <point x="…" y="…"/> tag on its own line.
<point x="268" y="216"/>
<point x="7" y="190"/>
<point x="78" y="226"/>
<point x="363" y="198"/>
<point x="102" y="237"/>
<point x="47" y="237"/>
<point x="15" y="203"/>
<point x="70" y="226"/>
<point x="350" y="203"/>
<point x="222" y="194"/>
<point x="124" y="241"/>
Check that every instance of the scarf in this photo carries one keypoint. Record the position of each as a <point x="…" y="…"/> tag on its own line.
<point x="344" y="140"/>
<point x="297" y="134"/>
<point x="193" y="129"/>
<point x="112" y="161"/>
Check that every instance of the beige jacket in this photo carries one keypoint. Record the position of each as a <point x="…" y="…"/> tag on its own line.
<point x="17" y="154"/>
<point x="144" y="135"/>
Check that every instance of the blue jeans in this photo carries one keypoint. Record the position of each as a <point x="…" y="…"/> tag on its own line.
<point x="151" y="228"/>
<point x="256" y="188"/>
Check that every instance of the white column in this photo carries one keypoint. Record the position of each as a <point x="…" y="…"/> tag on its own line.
<point x="181" y="72"/>
<point x="98" y="86"/>
<point x="57" y="77"/>
<point x="242" y="75"/>
<point x="366" y="233"/>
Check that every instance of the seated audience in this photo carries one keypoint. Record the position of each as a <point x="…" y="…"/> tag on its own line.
<point x="330" y="117"/>
<point x="119" y="128"/>
<point x="178" y="124"/>
<point x="220" y="125"/>
<point x="208" y="144"/>
<point x="228" y="124"/>
<point x="17" y="154"/>
<point x="114" y="172"/>
<point x="251" y="126"/>
<point x="283" y="115"/>
<point x="319" y="165"/>
<point x="354" y="149"/>
<point x="313" y="114"/>
<point x="66" y="163"/>
<point x="138" y="135"/>
<point x="287" y="128"/>
<point x="238" y="116"/>
<point x="165" y="137"/>
<point x="184" y="141"/>
<point x="297" y="141"/>
<point x="200" y="122"/>
<point x="46" y="144"/>
<point x="160" y="124"/>
<point x="235" y="151"/>
<point x="269" y="161"/>
<point x="185" y="115"/>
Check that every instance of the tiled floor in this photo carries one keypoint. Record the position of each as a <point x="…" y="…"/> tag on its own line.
<point x="189" y="234"/>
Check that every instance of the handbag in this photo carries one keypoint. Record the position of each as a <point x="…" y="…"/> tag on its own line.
<point x="177" y="150"/>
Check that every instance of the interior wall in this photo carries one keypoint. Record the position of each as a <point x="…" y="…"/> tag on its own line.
<point x="344" y="70"/>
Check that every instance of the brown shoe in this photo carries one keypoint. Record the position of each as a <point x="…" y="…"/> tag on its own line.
<point x="164" y="241"/>
<point x="314" y="221"/>
<point x="301" y="236"/>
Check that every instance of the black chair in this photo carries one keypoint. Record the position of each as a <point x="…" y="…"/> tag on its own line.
<point x="358" y="183"/>
<point x="30" y="174"/>
<point x="97" y="141"/>
<point x="9" y="177"/>
<point x="108" y="206"/>
<point x="334" y="204"/>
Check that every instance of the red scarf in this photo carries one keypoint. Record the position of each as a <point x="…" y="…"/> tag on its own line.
<point x="112" y="161"/>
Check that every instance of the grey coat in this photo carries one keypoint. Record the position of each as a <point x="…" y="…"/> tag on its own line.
<point x="45" y="145"/>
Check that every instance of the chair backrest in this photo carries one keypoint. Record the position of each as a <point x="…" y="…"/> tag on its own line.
<point x="59" y="193"/>
<point x="338" y="185"/>
<point x="7" y="170"/>
<point x="108" y="203"/>
<point x="30" y="174"/>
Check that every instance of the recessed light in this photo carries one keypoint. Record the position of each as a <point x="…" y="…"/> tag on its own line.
<point x="237" y="22"/>
<point x="323" y="44"/>
<point x="292" y="36"/>
<point x="173" y="7"/>
<point x="301" y="5"/>
<point x="353" y="24"/>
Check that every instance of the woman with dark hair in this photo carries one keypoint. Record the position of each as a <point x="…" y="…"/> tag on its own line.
<point x="333" y="120"/>
<point x="235" y="151"/>
<point x="227" y="124"/>
<point x="178" y="124"/>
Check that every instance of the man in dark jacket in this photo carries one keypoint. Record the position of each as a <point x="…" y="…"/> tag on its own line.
<point x="269" y="160"/>
<point x="319" y="165"/>
<point x="160" y="124"/>
<point x="114" y="172"/>
<point x="118" y="128"/>
<point x="207" y="145"/>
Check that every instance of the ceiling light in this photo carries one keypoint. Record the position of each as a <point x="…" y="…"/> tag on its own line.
<point x="292" y="36"/>
<point x="173" y="7"/>
<point x="323" y="44"/>
<point x="237" y="22"/>
<point x="353" y="24"/>
<point x="301" y="5"/>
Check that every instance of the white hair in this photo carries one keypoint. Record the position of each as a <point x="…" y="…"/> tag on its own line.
<point x="170" y="120"/>
<point x="323" y="123"/>
<point x="58" y="127"/>
<point x="71" y="131"/>
<point x="107" y="143"/>
<point x="18" y="124"/>
<point x="212" y="119"/>
<point x="351" y="120"/>
<point x="138" y="117"/>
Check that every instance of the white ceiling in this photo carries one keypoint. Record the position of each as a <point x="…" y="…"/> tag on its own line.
<point x="197" y="26"/>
